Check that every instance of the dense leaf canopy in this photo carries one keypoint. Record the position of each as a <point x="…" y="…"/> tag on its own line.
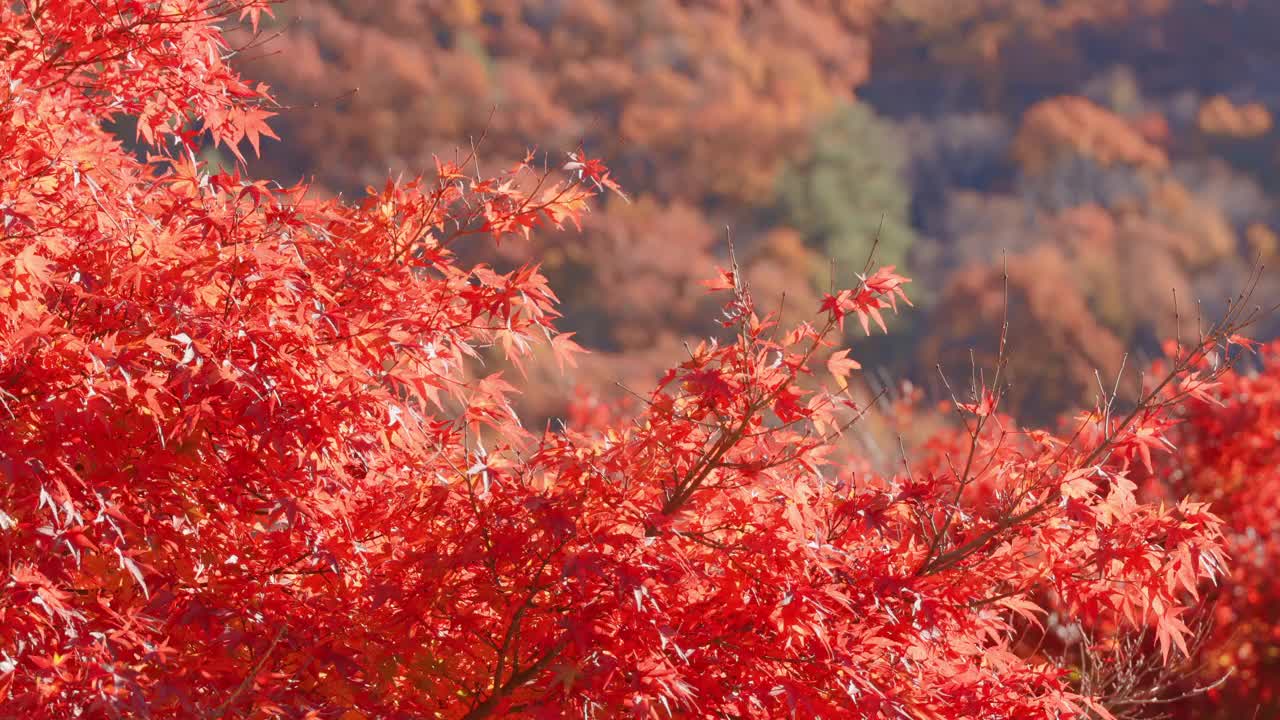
<point x="257" y="464"/>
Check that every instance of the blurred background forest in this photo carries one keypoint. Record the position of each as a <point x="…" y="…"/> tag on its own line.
<point x="1111" y="154"/>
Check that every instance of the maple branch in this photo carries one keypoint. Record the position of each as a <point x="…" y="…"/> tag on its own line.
<point x="1231" y="324"/>
<point x="257" y="668"/>
<point x="985" y="408"/>
<point x="517" y="679"/>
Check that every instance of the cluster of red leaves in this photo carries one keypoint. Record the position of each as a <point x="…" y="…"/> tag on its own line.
<point x="214" y="390"/>
<point x="1229" y="454"/>
<point x="253" y="466"/>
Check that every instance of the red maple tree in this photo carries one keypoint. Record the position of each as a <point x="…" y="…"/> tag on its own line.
<point x="1228" y="453"/>
<point x="254" y="465"/>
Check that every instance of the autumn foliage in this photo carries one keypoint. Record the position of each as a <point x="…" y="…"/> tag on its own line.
<point x="256" y="463"/>
<point x="1228" y="454"/>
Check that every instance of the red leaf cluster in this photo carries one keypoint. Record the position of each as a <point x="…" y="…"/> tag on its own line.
<point x="1228" y="453"/>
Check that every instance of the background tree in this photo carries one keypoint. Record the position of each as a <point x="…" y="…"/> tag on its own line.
<point x="851" y="190"/>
